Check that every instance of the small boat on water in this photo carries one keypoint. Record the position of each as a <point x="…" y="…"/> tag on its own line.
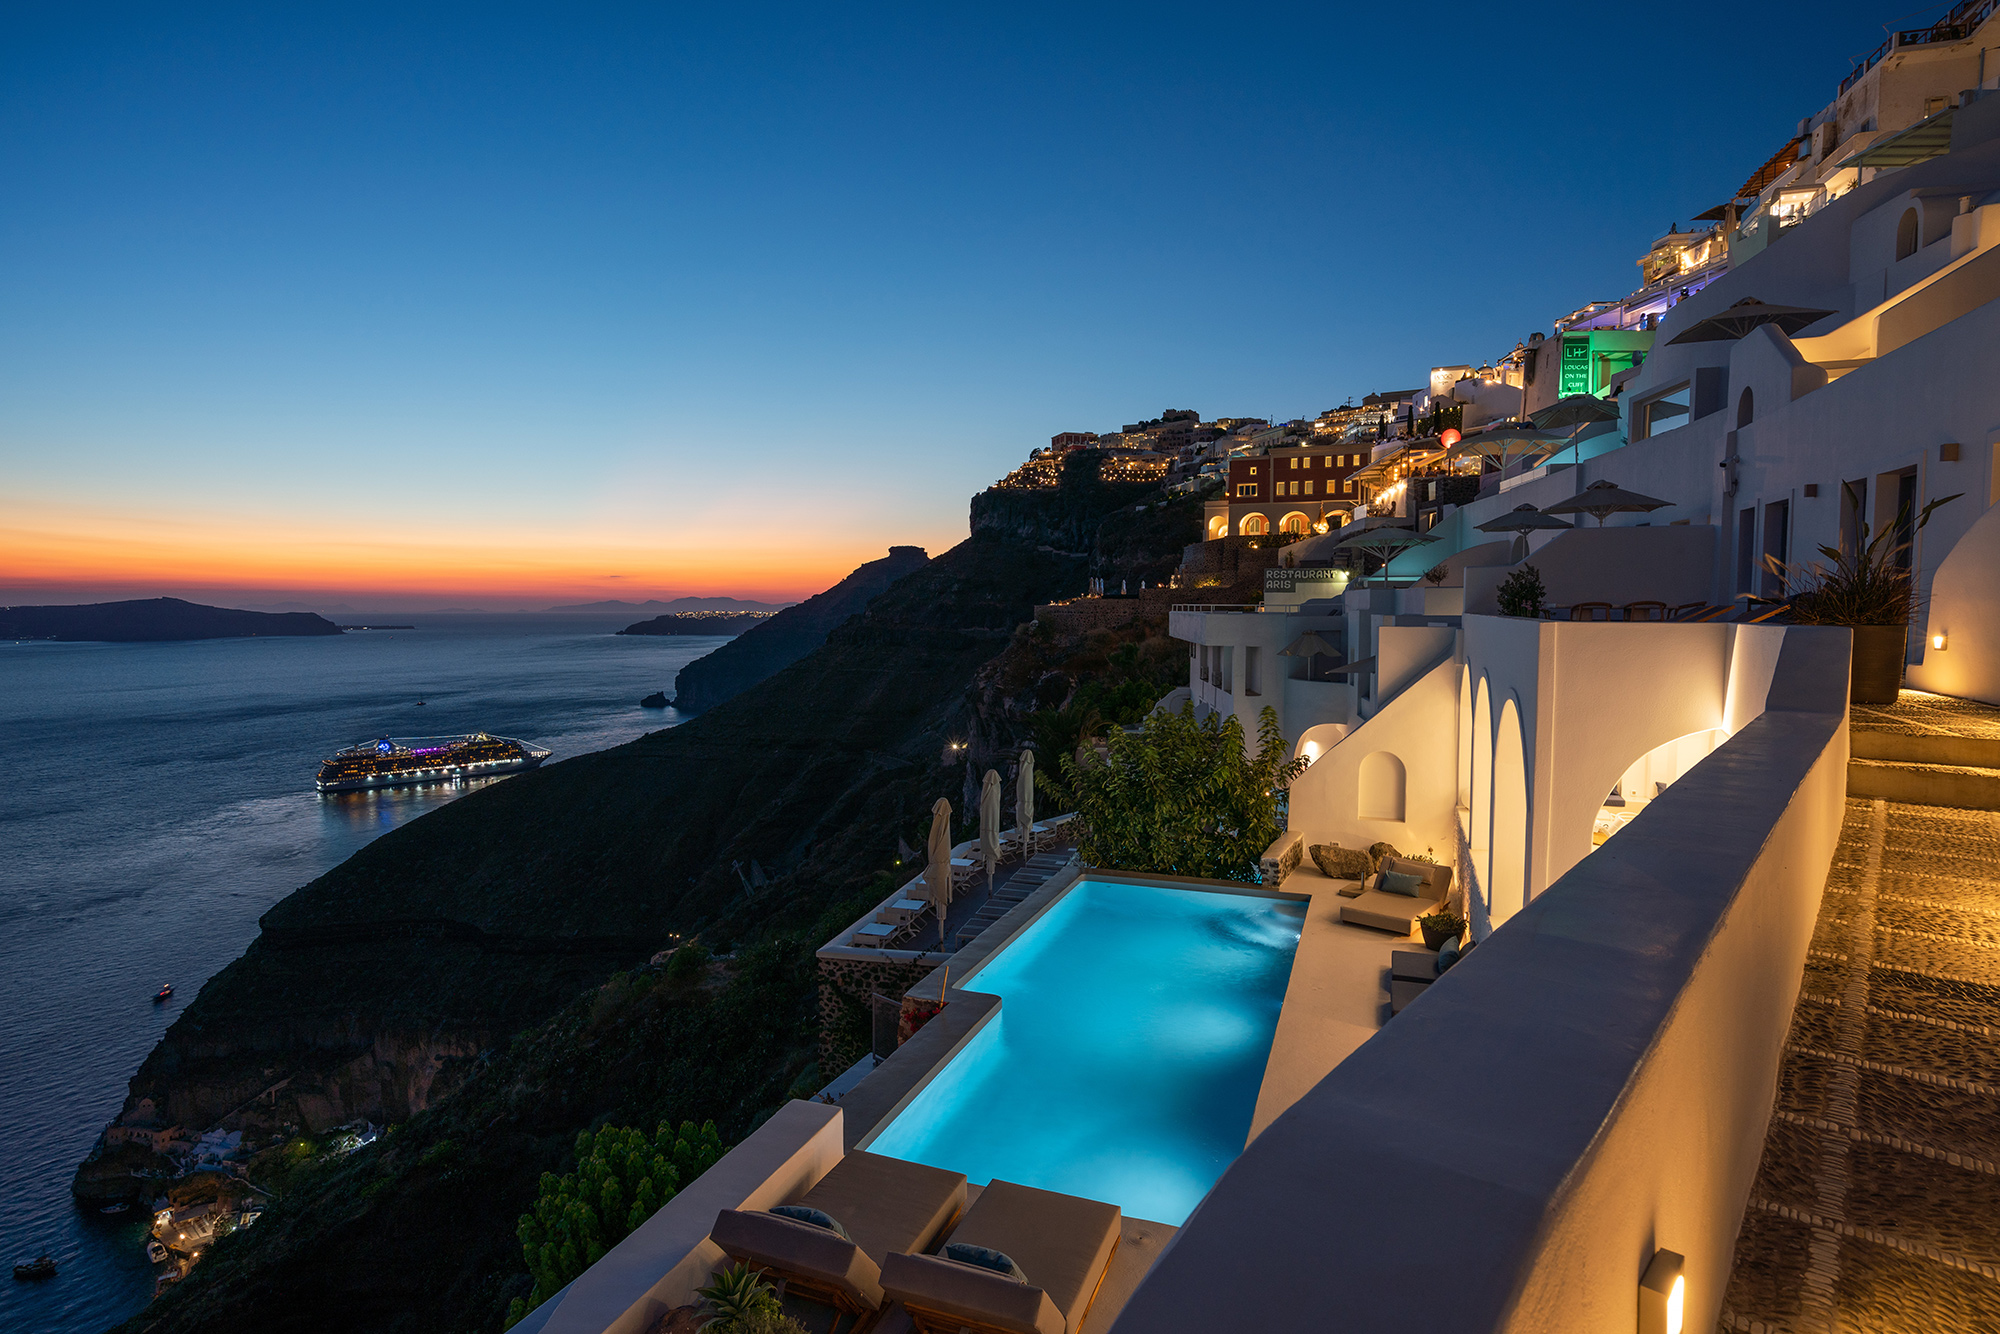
<point x="118" y="1208"/>
<point x="41" y="1268"/>
<point x="156" y="1252"/>
<point x="165" y="991"/>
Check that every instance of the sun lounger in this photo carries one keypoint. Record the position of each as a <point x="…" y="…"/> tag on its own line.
<point x="1061" y="1244"/>
<point x="1398" y="912"/>
<point x="887" y="1206"/>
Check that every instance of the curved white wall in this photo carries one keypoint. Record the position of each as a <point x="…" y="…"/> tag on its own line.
<point x="1965" y="607"/>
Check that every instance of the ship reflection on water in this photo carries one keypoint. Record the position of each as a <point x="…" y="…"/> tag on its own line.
<point x="382" y="809"/>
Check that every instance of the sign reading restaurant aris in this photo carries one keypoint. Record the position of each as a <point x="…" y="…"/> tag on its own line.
<point x="1289" y="580"/>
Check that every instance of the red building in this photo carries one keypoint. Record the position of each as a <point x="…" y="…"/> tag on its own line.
<point x="1291" y="487"/>
<point x="1069" y="440"/>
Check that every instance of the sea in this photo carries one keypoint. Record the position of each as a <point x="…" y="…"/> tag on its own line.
<point x="156" y="799"/>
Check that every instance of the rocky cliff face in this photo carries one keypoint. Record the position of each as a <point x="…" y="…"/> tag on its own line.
<point x="779" y="641"/>
<point x="455" y="971"/>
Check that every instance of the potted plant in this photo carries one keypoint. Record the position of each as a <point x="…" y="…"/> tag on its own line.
<point x="1440" y="926"/>
<point x="1867" y="590"/>
<point x="1522" y="593"/>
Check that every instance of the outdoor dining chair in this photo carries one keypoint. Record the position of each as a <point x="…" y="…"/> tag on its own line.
<point x="1645" y="611"/>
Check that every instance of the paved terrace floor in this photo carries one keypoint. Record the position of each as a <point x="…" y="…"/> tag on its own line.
<point x="1877" y="1204"/>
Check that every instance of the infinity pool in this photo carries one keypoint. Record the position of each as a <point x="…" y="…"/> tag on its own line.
<point x="1125" y="1060"/>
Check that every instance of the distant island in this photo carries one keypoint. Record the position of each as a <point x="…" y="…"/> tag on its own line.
<point x="655" y="605"/>
<point x="149" y="620"/>
<point x="698" y="623"/>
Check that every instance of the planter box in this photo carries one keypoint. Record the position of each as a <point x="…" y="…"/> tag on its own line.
<point x="1877" y="672"/>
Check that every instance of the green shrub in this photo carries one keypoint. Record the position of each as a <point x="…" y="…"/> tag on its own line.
<point x="1521" y="593"/>
<point x="1181" y="797"/>
<point x="743" y="1302"/>
<point x="621" y="1179"/>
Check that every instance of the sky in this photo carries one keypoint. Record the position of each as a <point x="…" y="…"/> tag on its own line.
<point x="506" y="306"/>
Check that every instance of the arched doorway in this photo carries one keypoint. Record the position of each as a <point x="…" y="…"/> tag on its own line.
<point x="1218" y="526"/>
<point x="1906" y="235"/>
<point x="1647" y="777"/>
<point x="1509" y="881"/>
<point x="1295" y="522"/>
<point x="1464" y="785"/>
<point x="1746" y="408"/>
<point x="1253" y="525"/>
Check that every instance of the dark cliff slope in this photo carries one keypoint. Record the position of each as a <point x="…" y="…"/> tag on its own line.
<point x="152" y="619"/>
<point x="461" y="962"/>
<point x="788" y="636"/>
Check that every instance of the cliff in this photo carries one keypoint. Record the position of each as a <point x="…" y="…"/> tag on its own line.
<point x="788" y="636"/>
<point x="454" y="972"/>
<point x="154" y="619"/>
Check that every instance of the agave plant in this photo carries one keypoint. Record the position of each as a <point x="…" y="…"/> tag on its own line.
<point x="737" y="1295"/>
<point x="1865" y="586"/>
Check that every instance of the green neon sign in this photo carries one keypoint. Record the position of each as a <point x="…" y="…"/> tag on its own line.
<point x="1575" y="366"/>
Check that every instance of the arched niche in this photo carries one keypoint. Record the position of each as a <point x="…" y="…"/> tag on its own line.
<point x="1384" y="787"/>
<point x="1509" y="877"/>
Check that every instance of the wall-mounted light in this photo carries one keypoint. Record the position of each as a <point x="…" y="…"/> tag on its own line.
<point x="1940" y="641"/>
<point x="1663" y="1294"/>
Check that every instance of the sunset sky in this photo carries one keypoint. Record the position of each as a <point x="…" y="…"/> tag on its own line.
<point x="507" y="306"/>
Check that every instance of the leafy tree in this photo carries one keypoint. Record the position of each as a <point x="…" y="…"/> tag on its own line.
<point x="621" y="1178"/>
<point x="1181" y="797"/>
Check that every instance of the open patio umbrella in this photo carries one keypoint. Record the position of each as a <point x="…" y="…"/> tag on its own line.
<point x="1607" y="498"/>
<point x="1746" y="315"/>
<point x="937" y="874"/>
<point x="1575" y="410"/>
<point x="1507" y="444"/>
<point x="1522" y="520"/>
<point x="989" y="824"/>
<point x="1384" y="543"/>
<point x="1309" y="646"/>
<point x="1024" y="801"/>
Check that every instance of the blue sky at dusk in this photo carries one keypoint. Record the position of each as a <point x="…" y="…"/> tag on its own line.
<point x="515" y="305"/>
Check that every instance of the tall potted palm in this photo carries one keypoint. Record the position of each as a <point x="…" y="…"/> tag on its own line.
<point x="1868" y="590"/>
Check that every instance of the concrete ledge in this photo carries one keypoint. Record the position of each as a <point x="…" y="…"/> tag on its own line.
<point x="659" y="1266"/>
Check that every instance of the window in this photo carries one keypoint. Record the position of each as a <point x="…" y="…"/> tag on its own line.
<point x="1295" y="488"/>
<point x="1347" y="487"/>
<point x="1777" y="544"/>
<point x="1906" y="235"/>
<point x="1746" y="548"/>
<point x="1295" y="465"/>
<point x="1247" y="489"/>
<point x="1309" y="486"/>
<point x="1250" y="671"/>
<point x="1661" y="412"/>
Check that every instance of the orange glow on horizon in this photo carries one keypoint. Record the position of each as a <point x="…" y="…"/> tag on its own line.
<point x="81" y="552"/>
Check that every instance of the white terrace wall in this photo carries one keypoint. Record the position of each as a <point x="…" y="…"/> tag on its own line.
<point x="1591" y="1084"/>
<point x="1965" y="608"/>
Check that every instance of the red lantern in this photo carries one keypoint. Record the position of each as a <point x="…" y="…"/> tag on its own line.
<point x="1450" y="437"/>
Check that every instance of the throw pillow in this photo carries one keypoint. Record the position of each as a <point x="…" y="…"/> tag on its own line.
<point x="984" y="1257"/>
<point x="805" y="1213"/>
<point x="1400" y="882"/>
<point x="1338" y="863"/>
<point x="1448" y="955"/>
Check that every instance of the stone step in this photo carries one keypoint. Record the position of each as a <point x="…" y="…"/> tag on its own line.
<point x="1925" y="748"/>
<point x="1967" y="786"/>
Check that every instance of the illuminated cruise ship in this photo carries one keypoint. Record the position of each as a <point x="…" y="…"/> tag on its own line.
<point x="400" y="761"/>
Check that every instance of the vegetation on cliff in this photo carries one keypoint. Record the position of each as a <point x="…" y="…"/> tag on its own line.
<point x="443" y="964"/>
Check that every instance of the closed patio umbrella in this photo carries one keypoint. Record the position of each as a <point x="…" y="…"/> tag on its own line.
<point x="937" y="874"/>
<point x="1024" y="801"/>
<point x="1607" y="498"/>
<point x="989" y="824"/>
<point x="1746" y="315"/>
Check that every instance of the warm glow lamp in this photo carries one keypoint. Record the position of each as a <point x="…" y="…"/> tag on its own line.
<point x="1663" y="1294"/>
<point x="1938" y="641"/>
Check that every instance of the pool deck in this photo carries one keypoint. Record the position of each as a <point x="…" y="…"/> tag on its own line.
<point x="1337" y="999"/>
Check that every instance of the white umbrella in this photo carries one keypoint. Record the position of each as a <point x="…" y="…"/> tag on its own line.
<point x="938" y="873"/>
<point x="1024" y="801"/>
<point x="989" y="823"/>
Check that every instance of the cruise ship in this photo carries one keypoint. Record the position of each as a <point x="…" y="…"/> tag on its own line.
<point x="400" y="761"/>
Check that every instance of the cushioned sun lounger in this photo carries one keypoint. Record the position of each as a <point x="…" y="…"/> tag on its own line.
<point x="1398" y="912"/>
<point x="1061" y="1245"/>
<point x="886" y="1207"/>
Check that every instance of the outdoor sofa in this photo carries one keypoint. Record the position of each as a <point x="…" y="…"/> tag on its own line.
<point x="885" y="1206"/>
<point x="1060" y="1246"/>
<point x="1397" y="912"/>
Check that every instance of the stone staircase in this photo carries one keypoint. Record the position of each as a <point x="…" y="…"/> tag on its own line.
<point x="1926" y="750"/>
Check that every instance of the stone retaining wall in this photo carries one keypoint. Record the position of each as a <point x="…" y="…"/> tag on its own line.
<point x="845" y="984"/>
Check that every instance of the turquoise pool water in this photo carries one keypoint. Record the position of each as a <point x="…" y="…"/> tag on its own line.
<point x="1124" y="1063"/>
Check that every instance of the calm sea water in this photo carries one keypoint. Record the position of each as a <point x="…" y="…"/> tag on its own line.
<point x="156" y="799"/>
